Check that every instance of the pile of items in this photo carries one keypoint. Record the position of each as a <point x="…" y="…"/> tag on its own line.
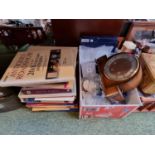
<point x="50" y="97"/>
<point x="147" y="85"/>
<point x="47" y="77"/>
<point x="116" y="82"/>
<point x="108" y="79"/>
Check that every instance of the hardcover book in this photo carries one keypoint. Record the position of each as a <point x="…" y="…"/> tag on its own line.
<point x="48" y="99"/>
<point x="41" y="65"/>
<point x="48" y="94"/>
<point x="64" y="87"/>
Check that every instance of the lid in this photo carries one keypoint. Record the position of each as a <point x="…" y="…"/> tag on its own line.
<point x="121" y="67"/>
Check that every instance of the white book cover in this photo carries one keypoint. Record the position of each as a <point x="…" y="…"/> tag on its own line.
<point x="40" y="65"/>
<point x="48" y="99"/>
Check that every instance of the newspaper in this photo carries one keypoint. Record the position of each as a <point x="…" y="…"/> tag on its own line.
<point x="88" y="54"/>
<point x="90" y="100"/>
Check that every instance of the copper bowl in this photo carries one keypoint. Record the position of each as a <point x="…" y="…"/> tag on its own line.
<point x="133" y="82"/>
<point x="129" y="69"/>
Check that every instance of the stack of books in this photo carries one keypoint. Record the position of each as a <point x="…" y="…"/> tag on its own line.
<point x="47" y="77"/>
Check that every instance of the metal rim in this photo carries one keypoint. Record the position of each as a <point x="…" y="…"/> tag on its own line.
<point x="132" y="75"/>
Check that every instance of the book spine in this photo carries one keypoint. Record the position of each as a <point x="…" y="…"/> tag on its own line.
<point x="49" y="104"/>
<point x="32" y="100"/>
<point x="46" y="91"/>
<point x="52" y="106"/>
<point x="56" y="110"/>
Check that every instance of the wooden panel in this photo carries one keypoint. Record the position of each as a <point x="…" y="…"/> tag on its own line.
<point x="68" y="31"/>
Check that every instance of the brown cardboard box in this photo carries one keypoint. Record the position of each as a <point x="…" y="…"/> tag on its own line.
<point x="148" y="64"/>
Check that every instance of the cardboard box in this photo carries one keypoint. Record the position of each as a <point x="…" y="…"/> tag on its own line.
<point x="148" y="64"/>
<point x="110" y="110"/>
<point x="104" y="108"/>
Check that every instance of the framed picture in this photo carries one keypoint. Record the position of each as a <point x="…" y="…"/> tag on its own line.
<point x="140" y="31"/>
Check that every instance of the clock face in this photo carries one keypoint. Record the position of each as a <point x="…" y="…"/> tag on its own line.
<point x="121" y="67"/>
